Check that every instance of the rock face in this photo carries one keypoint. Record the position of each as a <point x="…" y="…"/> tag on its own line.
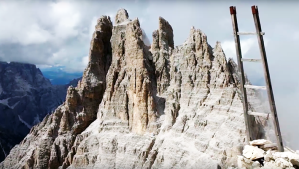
<point x="144" y="107"/>
<point x="262" y="154"/>
<point x="26" y="97"/>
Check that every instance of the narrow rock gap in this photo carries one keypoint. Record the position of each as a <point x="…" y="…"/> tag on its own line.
<point x="233" y="98"/>
<point x="149" y="149"/>
<point x="115" y="77"/>
<point x="127" y="108"/>
<point x="135" y="80"/>
<point x="211" y="54"/>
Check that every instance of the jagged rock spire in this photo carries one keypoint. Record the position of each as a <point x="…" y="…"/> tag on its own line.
<point x="129" y="82"/>
<point x="121" y="16"/>
<point x="161" y="49"/>
<point x="165" y="34"/>
<point x="99" y="53"/>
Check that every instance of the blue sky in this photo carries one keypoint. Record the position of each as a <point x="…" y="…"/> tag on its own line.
<point x="49" y="33"/>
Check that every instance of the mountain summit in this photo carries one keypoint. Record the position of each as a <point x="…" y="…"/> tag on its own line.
<point x="140" y="106"/>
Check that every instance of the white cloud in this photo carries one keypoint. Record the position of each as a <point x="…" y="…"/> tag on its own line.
<point x="246" y="45"/>
<point x="44" y="66"/>
<point x="19" y="26"/>
<point x="79" y="64"/>
<point x="40" y="22"/>
<point x="59" y="56"/>
<point x="35" y="35"/>
<point x="230" y="49"/>
<point x="67" y="19"/>
<point x="296" y="35"/>
<point x="111" y="15"/>
<point x="92" y="26"/>
<point x="85" y="60"/>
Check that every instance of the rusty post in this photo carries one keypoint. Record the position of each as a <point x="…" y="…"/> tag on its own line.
<point x="241" y="72"/>
<point x="258" y="27"/>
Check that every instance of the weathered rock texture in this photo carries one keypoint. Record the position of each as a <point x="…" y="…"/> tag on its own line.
<point x="262" y="154"/>
<point x="144" y="107"/>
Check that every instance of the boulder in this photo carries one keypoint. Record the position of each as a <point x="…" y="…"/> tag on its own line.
<point x="253" y="152"/>
<point x="259" y="142"/>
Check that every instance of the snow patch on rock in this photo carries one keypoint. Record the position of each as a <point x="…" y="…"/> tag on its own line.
<point x="3" y="149"/>
<point x="24" y="122"/>
<point x="13" y="106"/>
<point x="5" y="102"/>
<point x="36" y="119"/>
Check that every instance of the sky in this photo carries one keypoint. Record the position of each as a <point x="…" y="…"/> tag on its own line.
<point x="58" y="33"/>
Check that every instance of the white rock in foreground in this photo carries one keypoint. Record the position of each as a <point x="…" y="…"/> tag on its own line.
<point x="253" y="152"/>
<point x="256" y="157"/>
<point x="259" y="142"/>
<point x="292" y="157"/>
<point x="272" y="146"/>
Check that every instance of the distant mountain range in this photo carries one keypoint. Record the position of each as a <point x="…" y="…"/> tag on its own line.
<point x="26" y="97"/>
<point x="58" y="76"/>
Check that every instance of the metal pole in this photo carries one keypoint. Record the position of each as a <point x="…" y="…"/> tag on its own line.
<point x="241" y="71"/>
<point x="267" y="77"/>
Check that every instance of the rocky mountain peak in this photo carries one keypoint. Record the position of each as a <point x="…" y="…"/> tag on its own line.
<point x="99" y="54"/>
<point x="220" y="55"/>
<point x="121" y="16"/>
<point x="141" y="107"/>
<point x="165" y="34"/>
<point x="25" y="75"/>
<point x="128" y="84"/>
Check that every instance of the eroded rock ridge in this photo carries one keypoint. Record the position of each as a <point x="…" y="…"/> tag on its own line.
<point x="139" y="106"/>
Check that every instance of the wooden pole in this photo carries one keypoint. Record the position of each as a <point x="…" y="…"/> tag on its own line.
<point x="241" y="71"/>
<point x="267" y="77"/>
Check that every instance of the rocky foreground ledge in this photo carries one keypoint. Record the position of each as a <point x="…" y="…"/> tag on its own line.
<point x="263" y="154"/>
